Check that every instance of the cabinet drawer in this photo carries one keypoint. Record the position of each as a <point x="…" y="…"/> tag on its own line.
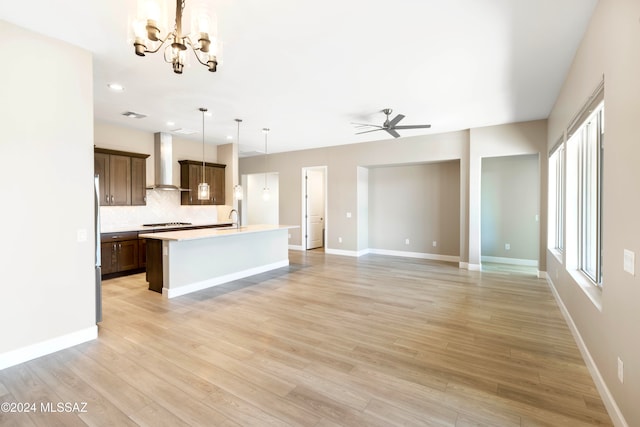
<point x="118" y="237"/>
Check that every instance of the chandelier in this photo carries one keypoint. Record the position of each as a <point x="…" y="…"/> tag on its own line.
<point x="148" y="38"/>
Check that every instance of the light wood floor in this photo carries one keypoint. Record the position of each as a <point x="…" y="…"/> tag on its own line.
<point x="328" y="341"/>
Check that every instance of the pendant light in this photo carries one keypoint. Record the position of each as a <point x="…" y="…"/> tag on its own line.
<point x="203" y="187"/>
<point x="237" y="189"/>
<point x="266" y="194"/>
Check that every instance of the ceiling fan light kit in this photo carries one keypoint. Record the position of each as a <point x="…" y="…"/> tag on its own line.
<point x="390" y="126"/>
<point x="202" y="41"/>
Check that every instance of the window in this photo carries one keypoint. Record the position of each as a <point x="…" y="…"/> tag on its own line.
<point x="556" y="198"/>
<point x="585" y="154"/>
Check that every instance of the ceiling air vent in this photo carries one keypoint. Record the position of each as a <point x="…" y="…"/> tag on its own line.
<point x="133" y="115"/>
<point x="182" y="131"/>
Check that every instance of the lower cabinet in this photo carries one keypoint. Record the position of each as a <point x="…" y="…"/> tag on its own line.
<point x="126" y="253"/>
<point x="120" y="252"/>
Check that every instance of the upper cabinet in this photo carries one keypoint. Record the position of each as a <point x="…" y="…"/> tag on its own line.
<point x="191" y="176"/>
<point x="122" y="177"/>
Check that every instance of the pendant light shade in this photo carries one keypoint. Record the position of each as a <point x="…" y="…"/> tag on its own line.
<point x="203" y="187"/>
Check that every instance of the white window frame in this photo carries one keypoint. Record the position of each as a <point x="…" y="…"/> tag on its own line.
<point x="557" y="199"/>
<point x="584" y="194"/>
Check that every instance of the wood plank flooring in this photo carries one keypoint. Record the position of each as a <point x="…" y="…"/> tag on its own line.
<point x="327" y="341"/>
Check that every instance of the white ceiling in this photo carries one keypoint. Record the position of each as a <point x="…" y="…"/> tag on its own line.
<point x="307" y="69"/>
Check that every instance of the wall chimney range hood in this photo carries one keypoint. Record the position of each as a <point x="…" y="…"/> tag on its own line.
<point x="163" y="162"/>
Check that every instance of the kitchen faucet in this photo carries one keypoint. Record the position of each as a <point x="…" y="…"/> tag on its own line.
<point x="237" y="217"/>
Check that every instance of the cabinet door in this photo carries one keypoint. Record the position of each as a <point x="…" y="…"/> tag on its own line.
<point x="195" y="178"/>
<point x="108" y="257"/>
<point x="120" y="180"/>
<point x="138" y="181"/>
<point x="127" y="255"/>
<point x="142" y="252"/>
<point x="217" y="185"/>
<point x="101" y="168"/>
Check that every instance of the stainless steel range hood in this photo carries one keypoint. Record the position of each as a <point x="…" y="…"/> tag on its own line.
<point x="163" y="162"/>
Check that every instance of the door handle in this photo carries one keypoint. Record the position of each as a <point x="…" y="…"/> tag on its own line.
<point x="112" y="199"/>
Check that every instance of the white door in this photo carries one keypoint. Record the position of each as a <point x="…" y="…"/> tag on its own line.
<point x="315" y="208"/>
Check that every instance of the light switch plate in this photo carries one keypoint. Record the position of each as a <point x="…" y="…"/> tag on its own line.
<point x="629" y="262"/>
<point x="82" y="235"/>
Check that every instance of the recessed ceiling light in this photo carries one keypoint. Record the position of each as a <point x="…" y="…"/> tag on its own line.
<point x="171" y="123"/>
<point x="208" y="114"/>
<point x="229" y="137"/>
<point x="116" y="87"/>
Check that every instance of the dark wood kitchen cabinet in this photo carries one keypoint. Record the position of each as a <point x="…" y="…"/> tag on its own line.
<point x="191" y="176"/>
<point x="119" y="252"/>
<point x="122" y="177"/>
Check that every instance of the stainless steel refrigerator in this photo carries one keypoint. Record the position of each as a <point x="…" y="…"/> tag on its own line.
<point x="98" y="254"/>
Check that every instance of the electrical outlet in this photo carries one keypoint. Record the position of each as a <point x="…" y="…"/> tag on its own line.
<point x="434" y="243"/>
<point x="620" y="370"/>
<point x="289" y="235"/>
<point x="339" y="239"/>
<point x="507" y="246"/>
<point x="348" y="214"/>
<point x="406" y="241"/>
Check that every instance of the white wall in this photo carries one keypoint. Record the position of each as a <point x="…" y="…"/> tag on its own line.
<point x="609" y="328"/>
<point x="256" y="209"/>
<point x="47" y="281"/>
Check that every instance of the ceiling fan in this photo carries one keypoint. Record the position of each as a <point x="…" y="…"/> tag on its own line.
<point x="389" y="125"/>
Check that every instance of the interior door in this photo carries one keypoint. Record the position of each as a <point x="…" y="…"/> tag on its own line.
<point x="315" y="208"/>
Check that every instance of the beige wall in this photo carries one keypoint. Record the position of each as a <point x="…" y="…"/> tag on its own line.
<point x="345" y="178"/>
<point x="610" y="48"/>
<point x="509" y="205"/>
<point x="415" y="202"/>
<point x="505" y="140"/>
<point x="46" y="274"/>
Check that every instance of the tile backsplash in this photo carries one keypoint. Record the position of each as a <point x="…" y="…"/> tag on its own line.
<point x="162" y="206"/>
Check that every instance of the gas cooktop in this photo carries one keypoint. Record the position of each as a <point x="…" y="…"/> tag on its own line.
<point x="166" y="224"/>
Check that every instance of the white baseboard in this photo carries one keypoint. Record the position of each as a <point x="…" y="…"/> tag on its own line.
<point x="198" y="286"/>
<point x="542" y="274"/>
<point x="342" y="252"/>
<point x="511" y="261"/>
<point x="296" y="248"/>
<point x="470" y="267"/>
<point x="607" y="398"/>
<point x="421" y="255"/>
<point x="49" y="346"/>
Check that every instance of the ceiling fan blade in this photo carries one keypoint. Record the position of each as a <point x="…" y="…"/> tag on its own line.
<point x="393" y="133"/>
<point x="366" y="125"/>
<point x="395" y="120"/>
<point x="367" y="131"/>
<point x="413" y="127"/>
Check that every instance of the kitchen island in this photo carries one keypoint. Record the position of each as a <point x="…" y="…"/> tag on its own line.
<point x="185" y="261"/>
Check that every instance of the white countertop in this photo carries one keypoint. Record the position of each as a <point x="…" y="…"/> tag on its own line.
<point x="207" y="233"/>
<point x="125" y="228"/>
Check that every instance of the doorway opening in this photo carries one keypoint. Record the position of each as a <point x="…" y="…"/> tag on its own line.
<point x="256" y="208"/>
<point x="510" y="219"/>
<point x="314" y="207"/>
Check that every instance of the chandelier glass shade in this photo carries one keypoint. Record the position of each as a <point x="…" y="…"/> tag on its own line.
<point x="150" y="37"/>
